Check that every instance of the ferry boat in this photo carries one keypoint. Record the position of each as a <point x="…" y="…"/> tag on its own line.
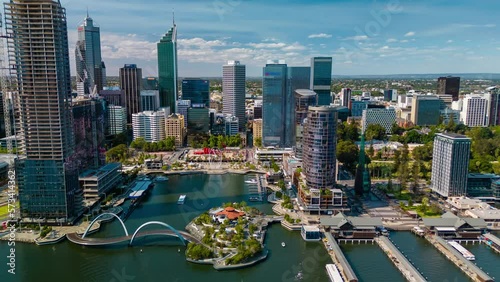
<point x="418" y="231"/>
<point x="161" y="179"/>
<point x="255" y="199"/>
<point x="467" y="255"/>
<point x="181" y="200"/>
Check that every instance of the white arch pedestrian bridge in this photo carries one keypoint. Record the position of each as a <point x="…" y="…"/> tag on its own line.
<point x="138" y="233"/>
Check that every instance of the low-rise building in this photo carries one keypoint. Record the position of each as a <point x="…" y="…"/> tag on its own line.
<point x="482" y="186"/>
<point x="453" y="227"/>
<point x="95" y="183"/>
<point x="266" y="154"/>
<point x="153" y="164"/>
<point x="350" y="227"/>
<point x="488" y="213"/>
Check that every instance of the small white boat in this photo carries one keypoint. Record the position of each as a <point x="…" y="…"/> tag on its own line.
<point x="283" y="244"/>
<point x="181" y="200"/>
<point x="251" y="181"/>
<point x="161" y="179"/>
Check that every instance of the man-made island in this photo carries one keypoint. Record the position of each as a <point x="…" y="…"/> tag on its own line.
<point x="231" y="236"/>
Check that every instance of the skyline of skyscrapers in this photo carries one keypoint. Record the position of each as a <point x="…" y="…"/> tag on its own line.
<point x="46" y="169"/>
<point x="167" y="69"/>
<point x="233" y="88"/>
<point x="90" y="69"/>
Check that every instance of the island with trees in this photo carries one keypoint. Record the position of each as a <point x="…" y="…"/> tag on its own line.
<point x="231" y="236"/>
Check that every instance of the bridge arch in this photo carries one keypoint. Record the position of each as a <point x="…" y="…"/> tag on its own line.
<point x="101" y="215"/>
<point x="183" y="240"/>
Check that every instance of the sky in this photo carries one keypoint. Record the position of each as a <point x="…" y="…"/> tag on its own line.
<point x="364" y="37"/>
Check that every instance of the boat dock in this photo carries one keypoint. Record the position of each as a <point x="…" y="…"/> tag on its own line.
<point x="339" y="259"/>
<point x="139" y="190"/>
<point x="257" y="192"/>
<point x="472" y="270"/>
<point x="492" y="241"/>
<point x="401" y="262"/>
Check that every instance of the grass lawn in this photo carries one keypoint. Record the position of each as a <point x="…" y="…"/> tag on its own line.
<point x="427" y="214"/>
<point x="4" y="210"/>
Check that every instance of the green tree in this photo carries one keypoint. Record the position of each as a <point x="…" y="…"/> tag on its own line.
<point x="347" y="154"/>
<point x="375" y="132"/>
<point x="258" y="142"/>
<point x="396" y="129"/>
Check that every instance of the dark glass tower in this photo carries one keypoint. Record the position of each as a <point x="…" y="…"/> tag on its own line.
<point x="449" y="85"/>
<point x="167" y="69"/>
<point x="197" y="91"/>
<point x="321" y="79"/>
<point x="46" y="169"/>
<point x="130" y="83"/>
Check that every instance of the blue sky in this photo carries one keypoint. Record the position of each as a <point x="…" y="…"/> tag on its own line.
<point x="363" y="37"/>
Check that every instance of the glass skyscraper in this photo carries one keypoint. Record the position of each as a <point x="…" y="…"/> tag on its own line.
<point x="197" y="91"/>
<point x="167" y="69"/>
<point x="46" y="169"/>
<point x="90" y="70"/>
<point x="274" y="95"/>
<point x="130" y="83"/>
<point x="278" y="106"/>
<point x="321" y="79"/>
<point x="233" y="88"/>
<point x="297" y="78"/>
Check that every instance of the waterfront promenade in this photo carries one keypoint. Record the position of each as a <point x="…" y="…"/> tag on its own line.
<point x="405" y="267"/>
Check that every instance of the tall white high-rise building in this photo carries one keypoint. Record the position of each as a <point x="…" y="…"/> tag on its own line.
<point x="450" y="164"/>
<point x="475" y="111"/>
<point x="90" y="69"/>
<point x="233" y="87"/>
<point x="149" y="125"/>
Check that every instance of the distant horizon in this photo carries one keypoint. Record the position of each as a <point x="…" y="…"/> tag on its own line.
<point x="362" y="36"/>
<point x="437" y="75"/>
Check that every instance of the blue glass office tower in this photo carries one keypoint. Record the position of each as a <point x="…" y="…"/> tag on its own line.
<point x="274" y="93"/>
<point x="278" y="107"/>
<point x="298" y="78"/>
<point x="197" y="91"/>
<point x="321" y="79"/>
<point x="46" y="170"/>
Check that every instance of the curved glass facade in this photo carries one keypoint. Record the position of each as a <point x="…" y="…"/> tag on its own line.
<point x="320" y="147"/>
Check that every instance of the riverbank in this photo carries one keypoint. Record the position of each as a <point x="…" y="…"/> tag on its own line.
<point x="204" y="171"/>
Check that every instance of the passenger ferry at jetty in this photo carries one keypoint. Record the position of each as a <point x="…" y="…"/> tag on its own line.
<point x="181" y="200"/>
<point x="467" y="255"/>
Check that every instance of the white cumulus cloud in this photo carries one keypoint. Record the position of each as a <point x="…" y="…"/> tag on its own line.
<point x="320" y="35"/>
<point x="409" y="34"/>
